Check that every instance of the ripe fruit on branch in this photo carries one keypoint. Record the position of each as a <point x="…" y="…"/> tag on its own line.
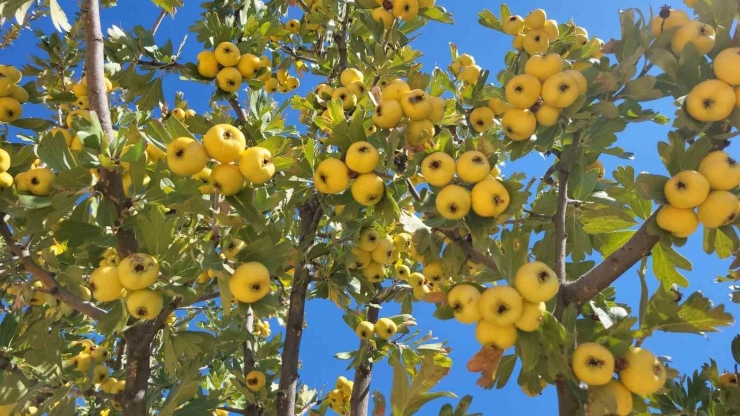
<point x="385" y="328"/>
<point x="641" y="372"/>
<point x="720" y="208"/>
<point x="711" y="100"/>
<point x="593" y="364"/>
<point x="256" y="165"/>
<point x="489" y="198"/>
<point x="331" y="176"/>
<point x="686" y="189"/>
<point x="536" y="282"/>
<point x="138" y="271"/>
<point x="250" y="282"/>
<point x="489" y="334"/>
<point x="453" y="202"/>
<point x="501" y="305"/>
<point x="144" y="304"/>
<point x="464" y="300"/>
<point x="680" y="222"/>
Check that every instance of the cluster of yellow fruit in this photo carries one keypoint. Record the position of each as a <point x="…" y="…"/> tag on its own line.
<point x="499" y="311"/>
<point x="399" y="9"/>
<point x="182" y="114"/>
<point x="262" y="328"/>
<point x="282" y="82"/>
<point x="339" y="397"/>
<point x="715" y="99"/>
<point x="97" y="354"/>
<point x="38" y="298"/>
<point x="135" y="273"/>
<point x="333" y="176"/>
<point x="110" y="258"/>
<point x="640" y="372"/>
<point x="80" y="92"/>
<point x="423" y="111"/>
<point x="12" y="95"/>
<point x="488" y="198"/>
<point x="352" y="91"/>
<point x="536" y="97"/>
<point x="701" y="35"/>
<point x="225" y="144"/>
<point x="255" y="380"/>
<point x="6" y="179"/>
<point x="372" y="253"/>
<point x="709" y="189"/>
<point x="384" y="329"/>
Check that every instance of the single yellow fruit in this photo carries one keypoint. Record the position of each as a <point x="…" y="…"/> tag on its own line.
<point x="226" y="179"/>
<point x="138" y="271"/>
<point x="698" y="33"/>
<point x="543" y="67"/>
<point x="402" y="272"/>
<point x="489" y="334"/>
<point x="536" y="41"/>
<point x="99" y="354"/>
<point x="513" y="25"/>
<point x="523" y="91"/>
<point x="362" y="157"/>
<point x="105" y="285"/>
<point x="249" y="65"/>
<point x="395" y="90"/>
<point x="464" y="300"/>
<point x="331" y="176"/>
<point x="384" y="251"/>
<point x="721" y="171"/>
<point x="437" y="114"/>
<point x="224" y="142"/>
<point x="229" y="79"/>
<point x="11" y="72"/>
<point x="720" y="208"/>
<point x="346" y="97"/>
<point x="250" y="282"/>
<point x="593" y="364"/>
<point x="385" y="328"/>
<point x="21" y="95"/>
<point x="227" y="54"/>
<point x="535" y="19"/>
<point x="10" y="109"/>
<point x="453" y="202"/>
<point x="380" y="14"/>
<point x="551" y="28"/>
<point x="178" y="113"/>
<point x="203" y="177"/>
<point x="536" y="282"/>
<point x="256" y="165"/>
<point x="435" y="271"/>
<point x="405" y="9"/>
<point x="498" y="106"/>
<point x="518" y="41"/>
<point x="481" y="119"/>
<point x="81" y="362"/>
<point x="418" y="132"/>
<point x="368" y="189"/>
<point x="416" y="105"/>
<point x="40" y="181"/>
<point x="561" y="90"/>
<point x="351" y="75"/>
<point x="361" y="258"/>
<point x="532" y="314"/>
<point x="255" y="380"/>
<point x="365" y="330"/>
<point x="677" y="18"/>
<point x="186" y="157"/>
<point x="501" y="305"/>
<point x="728" y="380"/>
<point x="711" y="100"/>
<point x="369" y="240"/>
<point x="519" y="124"/>
<point x="687" y="189"/>
<point x="374" y="272"/>
<point x="388" y="114"/>
<point x="641" y="373"/>
<point x="547" y="115"/>
<point x="489" y="198"/>
<point x="470" y="74"/>
<point x="144" y="304"/>
<point x="611" y="398"/>
<point x="472" y="166"/>
<point x="680" y="222"/>
<point x="87" y="345"/>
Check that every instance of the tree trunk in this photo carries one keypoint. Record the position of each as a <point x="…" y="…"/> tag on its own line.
<point x="360" y="401"/>
<point x="138" y="369"/>
<point x="568" y="404"/>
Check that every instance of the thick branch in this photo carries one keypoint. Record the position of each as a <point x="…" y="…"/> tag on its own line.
<point x="310" y="215"/>
<point x="241" y="114"/>
<point x="475" y="255"/>
<point x="360" y="401"/>
<point x="45" y="277"/>
<point x="614" y="266"/>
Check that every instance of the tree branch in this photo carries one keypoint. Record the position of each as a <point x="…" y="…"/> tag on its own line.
<point x="360" y="400"/>
<point x="48" y="279"/>
<point x="474" y="255"/>
<point x="310" y="215"/>
<point x="241" y="114"/>
<point x="250" y="409"/>
<point x="561" y="237"/>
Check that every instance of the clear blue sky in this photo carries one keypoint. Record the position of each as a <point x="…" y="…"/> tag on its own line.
<point x="326" y="333"/>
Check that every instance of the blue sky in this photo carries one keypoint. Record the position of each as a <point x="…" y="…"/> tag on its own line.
<point x="326" y="333"/>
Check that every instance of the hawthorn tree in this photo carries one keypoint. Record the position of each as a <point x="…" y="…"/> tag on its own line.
<point x="148" y="247"/>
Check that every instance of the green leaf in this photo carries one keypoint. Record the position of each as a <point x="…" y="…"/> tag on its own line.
<point x="36" y="124"/>
<point x="61" y="23"/>
<point x="650" y="186"/>
<point x="8" y="329"/>
<point x="76" y="233"/>
<point x="611" y="242"/>
<point x="735" y="347"/>
<point x="54" y="152"/>
<point x="155" y="230"/>
<point x="74" y="178"/>
<point x="114" y="320"/>
<point x="168" y="5"/>
<point x="244" y="206"/>
<point x="695" y="315"/>
<point x="407" y="398"/>
<point x="605" y="220"/>
<point x="664" y="268"/>
<point x="186" y="387"/>
<point x="45" y="348"/>
<point x="487" y="19"/>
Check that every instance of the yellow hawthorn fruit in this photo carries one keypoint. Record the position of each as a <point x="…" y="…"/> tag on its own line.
<point x="593" y="364"/>
<point x="229" y="79"/>
<point x="293" y="26"/>
<point x="402" y="272"/>
<point x="453" y="202"/>
<point x="640" y="372"/>
<point x="323" y="91"/>
<point x="138" y="271"/>
<point x="581" y="65"/>
<point x="4" y="160"/>
<point x="536" y="282"/>
<point x="6" y="84"/>
<point x="271" y="85"/>
<point x="388" y="114"/>
<point x="532" y="314"/>
<point x="598" y="54"/>
<point x="434" y="271"/>
<point x="358" y="88"/>
<point x="405" y="9"/>
<point x="680" y="222"/>
<point x="346" y="97"/>
<point x="385" y="328"/>
<point x="543" y="67"/>
<point x="437" y="113"/>
<point x="368" y="189"/>
<point x="361" y="258"/>
<point x="87" y="345"/>
<point x="374" y="272"/>
<point x="523" y="91"/>
<point x="535" y="19"/>
<point x="531" y="393"/>
<point x="105" y="285"/>
<point x="99" y="354"/>
<point x="203" y="178"/>
<point x="224" y="142"/>
<point x="481" y="119"/>
<point x="416" y="105"/>
<point x="226" y="179"/>
<point x="547" y="115"/>
<point x="178" y="113"/>
<point x="85" y="114"/>
<point x="677" y="18"/>
<point x="395" y="90"/>
<point x="369" y="240"/>
<point x="383" y="252"/>
<point x="580" y="42"/>
<point x="536" y="41"/>
<point x="64" y="132"/>
<point x="282" y="75"/>
<point x="711" y="100"/>
<point x="153" y="152"/>
<point x="456" y="67"/>
<point x="726" y="66"/>
<point x="519" y="124"/>
<point x="722" y="171"/>
<point x="579" y="80"/>
<point x="438" y="169"/>
<point x="109" y="384"/>
<point x="464" y="300"/>
<point x="362" y="157"/>
<point x="489" y="198"/>
<point x="700" y="34"/>
<point x="472" y="166"/>
<point x="498" y="106"/>
<point x="351" y="75"/>
<point x="20" y="94"/>
<point x="9" y="71"/>
<point x="513" y="25"/>
<point x="255" y="380"/>
<point x="488" y="334"/>
<point x="231" y="249"/>
<point x="597" y="165"/>
<point x="611" y="398"/>
<point x="365" y="330"/>
<point x="144" y="304"/>
<point x="10" y="109"/>
<point x="81" y="362"/>
<point x="466" y="59"/>
<point x="560" y="90"/>
<point x="186" y="157"/>
<point x="402" y="242"/>
<point x="501" y="305"/>
<point x="249" y="65"/>
<point x="551" y="29"/>
<point x="203" y="278"/>
<point x="720" y="208"/>
<point x="518" y="41"/>
<point x="6" y="180"/>
<point x="380" y="14"/>
<point x="256" y="165"/>
<point x="227" y="54"/>
<point x="418" y="132"/>
<point x="83" y="103"/>
<point x="40" y="181"/>
<point x="686" y="189"/>
<point x="728" y="380"/>
<point x="250" y="282"/>
<point x="470" y="74"/>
